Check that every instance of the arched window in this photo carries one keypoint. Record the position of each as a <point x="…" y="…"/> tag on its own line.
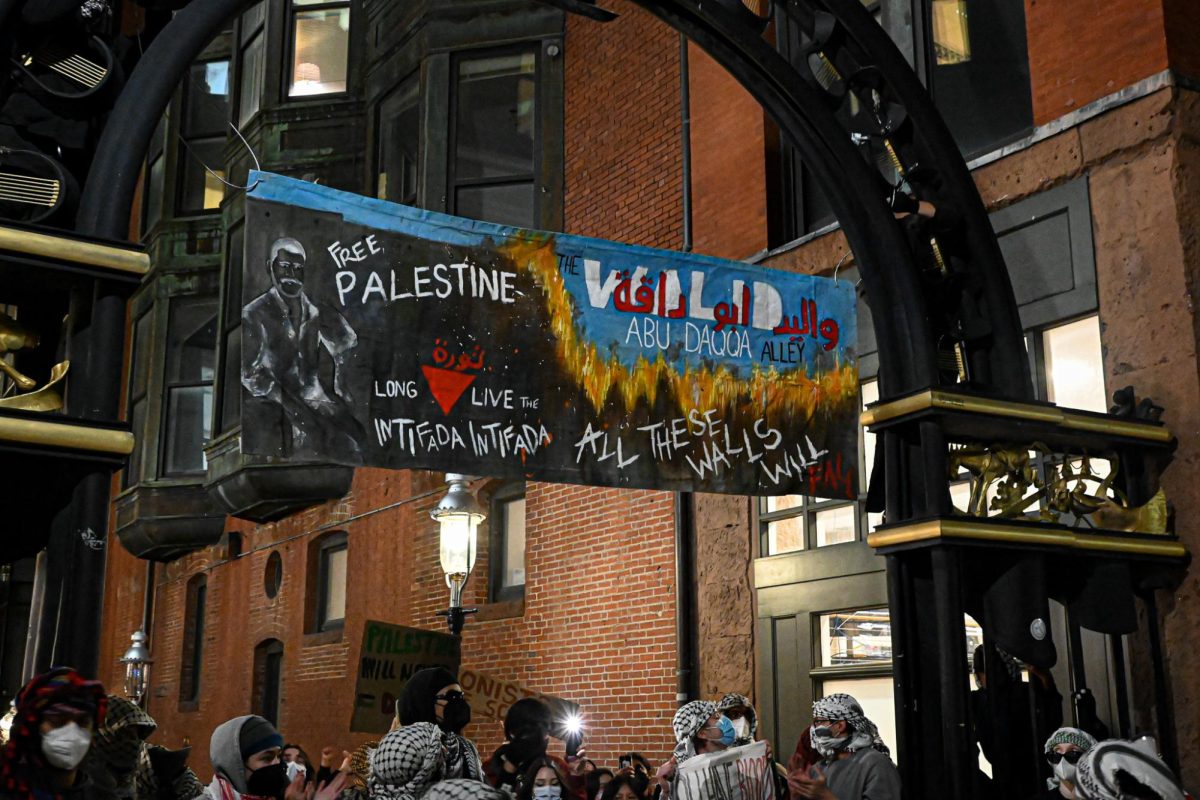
<point x="193" y="640"/>
<point x="268" y="679"/>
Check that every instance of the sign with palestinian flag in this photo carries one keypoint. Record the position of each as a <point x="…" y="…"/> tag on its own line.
<point x="374" y="333"/>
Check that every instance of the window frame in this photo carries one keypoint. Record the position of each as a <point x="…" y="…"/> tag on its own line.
<point x="229" y="320"/>
<point x="324" y="548"/>
<point x="191" y="661"/>
<point x="289" y="52"/>
<point x="537" y="48"/>
<point x="242" y="42"/>
<point x="131" y="475"/>
<point x="387" y="108"/>
<point x="498" y="541"/>
<point x="267" y="653"/>
<point x="185" y="154"/>
<point x="164" y="415"/>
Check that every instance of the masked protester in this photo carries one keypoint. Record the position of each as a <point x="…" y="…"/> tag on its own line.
<point x="434" y="695"/>
<point x="699" y="728"/>
<point x="526" y="736"/>
<point x="117" y="748"/>
<point x="546" y="779"/>
<point x="1115" y="770"/>
<point x="740" y="712"/>
<point x="854" y="760"/>
<point x="163" y="774"/>
<point x="56" y="714"/>
<point x="407" y="763"/>
<point x="247" y="763"/>
<point x="1063" y="750"/>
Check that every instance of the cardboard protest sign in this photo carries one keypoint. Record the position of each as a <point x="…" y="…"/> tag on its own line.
<point x="491" y="697"/>
<point x="739" y="773"/>
<point x="390" y="655"/>
<point x="374" y="333"/>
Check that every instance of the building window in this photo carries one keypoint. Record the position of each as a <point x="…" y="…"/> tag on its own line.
<point x="191" y="352"/>
<point x="229" y="406"/>
<point x="156" y="168"/>
<point x="320" y="44"/>
<point x="273" y="575"/>
<point x="193" y="640"/>
<point x="328" y="558"/>
<point x="399" y="144"/>
<point x="1074" y="365"/>
<point x="788" y="523"/>
<point x="268" y="679"/>
<point x="205" y="113"/>
<point x="495" y="137"/>
<point x="507" y="521"/>
<point x="136" y="406"/>
<point x="251" y="63"/>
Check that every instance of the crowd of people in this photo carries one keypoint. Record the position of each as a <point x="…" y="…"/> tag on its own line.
<point x="71" y="741"/>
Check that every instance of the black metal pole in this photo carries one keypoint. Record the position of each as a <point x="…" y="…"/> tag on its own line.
<point x="1164" y="710"/>
<point x="951" y="675"/>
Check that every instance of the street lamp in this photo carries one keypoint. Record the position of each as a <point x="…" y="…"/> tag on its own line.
<point x="137" y="663"/>
<point x="458" y="515"/>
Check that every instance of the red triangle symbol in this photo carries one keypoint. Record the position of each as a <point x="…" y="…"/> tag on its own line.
<point x="447" y="385"/>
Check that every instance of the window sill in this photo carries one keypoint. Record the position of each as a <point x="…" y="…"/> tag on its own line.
<point x="323" y="637"/>
<point x="506" y="609"/>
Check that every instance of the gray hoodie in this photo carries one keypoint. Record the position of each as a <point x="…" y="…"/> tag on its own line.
<point x="225" y="750"/>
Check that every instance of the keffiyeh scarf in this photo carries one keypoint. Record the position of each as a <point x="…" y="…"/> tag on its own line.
<point x="844" y="707"/>
<point x="462" y="759"/>
<point x="688" y="721"/>
<point x="733" y="700"/>
<point x="1111" y="770"/>
<point x="464" y="789"/>
<point x="407" y="762"/>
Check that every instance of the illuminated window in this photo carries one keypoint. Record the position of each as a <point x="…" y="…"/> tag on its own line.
<point x="320" y="44"/>
<point x="951" y="35"/>
<point x="205" y="113"/>
<point x="1075" y="365"/>
<point x="328" y="560"/>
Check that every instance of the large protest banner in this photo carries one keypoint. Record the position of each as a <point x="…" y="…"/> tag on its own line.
<point x="390" y="655"/>
<point x="739" y="773"/>
<point x="374" y="333"/>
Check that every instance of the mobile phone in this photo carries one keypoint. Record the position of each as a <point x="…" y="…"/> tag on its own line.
<point x="625" y="761"/>
<point x="573" y="741"/>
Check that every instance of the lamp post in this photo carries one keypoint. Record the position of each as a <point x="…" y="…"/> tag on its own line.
<point x="137" y="663"/>
<point x="458" y="515"/>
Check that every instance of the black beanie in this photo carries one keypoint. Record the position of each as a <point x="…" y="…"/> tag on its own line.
<point x="256" y="735"/>
<point x="420" y="693"/>
<point x="528" y="712"/>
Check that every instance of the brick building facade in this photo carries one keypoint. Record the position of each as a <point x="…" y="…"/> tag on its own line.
<point x="1112" y="105"/>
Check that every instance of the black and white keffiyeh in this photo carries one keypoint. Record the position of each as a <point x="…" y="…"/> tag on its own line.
<point x="1115" y="770"/>
<point x="464" y="789"/>
<point x="733" y="700"/>
<point x="461" y="759"/>
<point x="688" y="721"/>
<point x="407" y="762"/>
<point x="844" y="707"/>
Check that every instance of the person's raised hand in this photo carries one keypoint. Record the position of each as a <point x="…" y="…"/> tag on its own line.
<point x="810" y="785"/>
<point x="578" y="762"/>
<point x="331" y="790"/>
<point x="345" y="767"/>
<point x="328" y="753"/>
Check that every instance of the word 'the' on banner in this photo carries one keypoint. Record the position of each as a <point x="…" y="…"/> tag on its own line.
<point x="382" y="335"/>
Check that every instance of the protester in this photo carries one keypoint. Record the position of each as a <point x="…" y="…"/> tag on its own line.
<point x="460" y="789"/>
<point x="435" y="696"/>
<point x="699" y="728"/>
<point x="121" y="764"/>
<point x="596" y="781"/>
<point x="854" y="760"/>
<point x="246" y="758"/>
<point x="625" y="787"/>
<point x="51" y="733"/>
<point x="1063" y="750"/>
<point x="740" y="711"/>
<point x="526" y="736"/>
<point x="407" y="763"/>
<point x="545" y="779"/>
<point x="1116" y="769"/>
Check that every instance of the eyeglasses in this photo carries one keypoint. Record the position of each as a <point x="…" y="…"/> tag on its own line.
<point x="446" y="697"/>
<point x="1072" y="756"/>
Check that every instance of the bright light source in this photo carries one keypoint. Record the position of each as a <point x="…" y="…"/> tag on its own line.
<point x="573" y="724"/>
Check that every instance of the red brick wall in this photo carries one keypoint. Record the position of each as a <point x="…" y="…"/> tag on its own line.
<point x="1081" y="50"/>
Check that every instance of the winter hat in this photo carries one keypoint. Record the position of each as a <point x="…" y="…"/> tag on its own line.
<point x="256" y="735"/>
<point x="418" y="700"/>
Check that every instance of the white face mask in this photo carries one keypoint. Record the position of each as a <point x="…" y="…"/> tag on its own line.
<point x="741" y="727"/>
<point x="65" y="747"/>
<point x="295" y="768"/>
<point x="547" y="792"/>
<point x="1065" y="772"/>
<point x="824" y="743"/>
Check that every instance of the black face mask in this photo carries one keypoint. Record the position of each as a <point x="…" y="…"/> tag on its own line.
<point x="525" y="746"/>
<point x="269" y="781"/>
<point x="456" y="715"/>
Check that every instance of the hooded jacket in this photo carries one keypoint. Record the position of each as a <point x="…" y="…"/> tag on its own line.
<point x="229" y="767"/>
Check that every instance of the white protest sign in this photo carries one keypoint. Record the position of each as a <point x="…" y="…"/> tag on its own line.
<point x="739" y="773"/>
